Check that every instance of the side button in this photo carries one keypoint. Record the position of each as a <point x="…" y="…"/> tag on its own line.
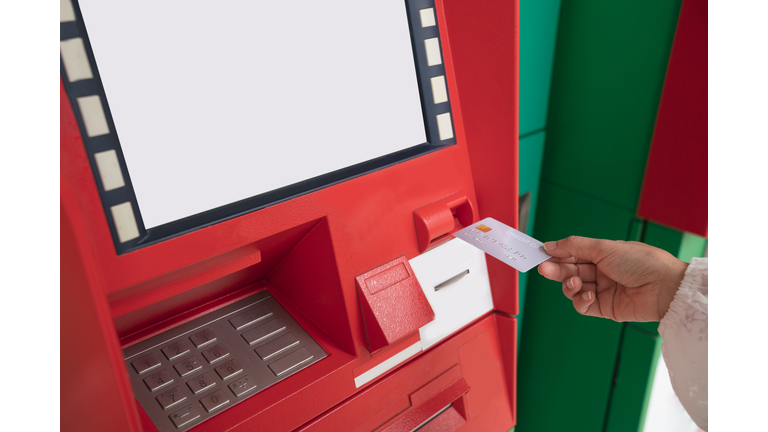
<point x="263" y="331"/>
<point x="291" y="361"/>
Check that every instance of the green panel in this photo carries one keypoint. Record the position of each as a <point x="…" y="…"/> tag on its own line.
<point x="530" y="154"/>
<point x="692" y="246"/>
<point x="566" y="362"/>
<point x="634" y="377"/>
<point x="636" y="228"/>
<point x="651" y="327"/>
<point x="662" y="237"/>
<point x="608" y="74"/>
<point x="538" y="31"/>
<point x="530" y="157"/>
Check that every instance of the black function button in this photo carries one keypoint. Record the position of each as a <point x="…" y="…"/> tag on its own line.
<point x="202" y="338"/>
<point x="187" y="366"/>
<point x="158" y="379"/>
<point x="145" y="363"/>
<point x="184" y="416"/>
<point x="228" y="369"/>
<point x="259" y="313"/>
<point x="214" y="401"/>
<point x="215" y="353"/>
<point x="175" y="350"/>
<point x="263" y="331"/>
<point x="290" y="362"/>
<point x="171" y="398"/>
<point x="200" y="383"/>
<point x="242" y="385"/>
<point x="275" y="347"/>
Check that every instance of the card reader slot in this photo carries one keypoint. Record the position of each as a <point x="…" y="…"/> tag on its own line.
<point x="451" y="281"/>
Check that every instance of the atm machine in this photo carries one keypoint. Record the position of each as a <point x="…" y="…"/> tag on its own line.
<point x="257" y="208"/>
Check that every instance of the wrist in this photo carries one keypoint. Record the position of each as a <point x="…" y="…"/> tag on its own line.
<point x="669" y="286"/>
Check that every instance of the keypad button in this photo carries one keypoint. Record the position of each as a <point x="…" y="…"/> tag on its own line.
<point x="200" y="383"/>
<point x="175" y="350"/>
<point x="158" y="379"/>
<point x="202" y="338"/>
<point x="187" y="366"/>
<point x="275" y="347"/>
<point x="171" y="397"/>
<point x="216" y="353"/>
<point x="291" y="361"/>
<point x="184" y="416"/>
<point x="259" y="313"/>
<point x="228" y="369"/>
<point x="215" y="400"/>
<point x="242" y="385"/>
<point x="263" y="331"/>
<point x="145" y="363"/>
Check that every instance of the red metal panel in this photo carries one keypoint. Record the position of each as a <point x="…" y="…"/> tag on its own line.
<point x="403" y="396"/>
<point x="508" y="342"/>
<point x="93" y="376"/>
<point x="487" y="79"/>
<point x="675" y="184"/>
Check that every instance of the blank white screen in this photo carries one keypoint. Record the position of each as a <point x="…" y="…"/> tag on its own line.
<point x="215" y="102"/>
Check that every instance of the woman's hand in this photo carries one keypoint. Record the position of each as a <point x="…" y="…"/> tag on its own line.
<point x="623" y="281"/>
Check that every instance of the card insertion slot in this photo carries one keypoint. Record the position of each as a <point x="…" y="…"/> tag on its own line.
<point x="451" y="281"/>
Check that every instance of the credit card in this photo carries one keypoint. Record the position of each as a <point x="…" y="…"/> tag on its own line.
<point x="510" y="246"/>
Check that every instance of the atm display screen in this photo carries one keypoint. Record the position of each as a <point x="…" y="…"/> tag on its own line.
<point x="215" y="110"/>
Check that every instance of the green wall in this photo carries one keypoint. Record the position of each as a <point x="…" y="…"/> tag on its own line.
<point x="581" y="373"/>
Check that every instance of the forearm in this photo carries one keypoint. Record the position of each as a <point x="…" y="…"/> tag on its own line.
<point x="684" y="331"/>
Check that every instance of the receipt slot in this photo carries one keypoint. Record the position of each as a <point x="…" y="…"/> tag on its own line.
<point x="223" y="191"/>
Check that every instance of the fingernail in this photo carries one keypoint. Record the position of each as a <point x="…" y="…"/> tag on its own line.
<point x="570" y="284"/>
<point x="550" y="246"/>
<point x="587" y="296"/>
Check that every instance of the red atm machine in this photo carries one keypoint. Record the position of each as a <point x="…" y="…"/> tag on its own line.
<point x="257" y="208"/>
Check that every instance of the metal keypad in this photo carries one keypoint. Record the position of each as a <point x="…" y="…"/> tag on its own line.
<point x="214" y="401"/>
<point x="242" y="385"/>
<point x="216" y="353"/>
<point x="219" y="356"/>
<point x="264" y="331"/>
<point x="200" y="383"/>
<point x="171" y="398"/>
<point x="175" y="350"/>
<point x="229" y="369"/>
<point x="203" y="338"/>
<point x="187" y="366"/>
<point x="158" y="380"/>
<point x="145" y="363"/>
<point x="185" y="416"/>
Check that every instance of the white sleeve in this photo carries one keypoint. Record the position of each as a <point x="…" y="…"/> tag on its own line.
<point x="684" y="334"/>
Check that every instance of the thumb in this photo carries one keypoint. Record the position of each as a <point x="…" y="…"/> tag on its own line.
<point x="582" y="248"/>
